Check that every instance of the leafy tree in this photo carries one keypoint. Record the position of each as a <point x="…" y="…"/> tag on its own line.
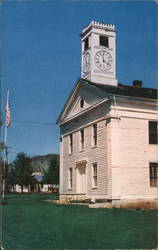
<point x="52" y="174"/>
<point x="1" y="161"/>
<point x="10" y="178"/>
<point x="4" y="168"/>
<point x="6" y="174"/>
<point x="22" y="170"/>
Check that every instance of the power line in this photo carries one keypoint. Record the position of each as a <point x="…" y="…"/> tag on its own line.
<point x="54" y="123"/>
<point x="34" y="122"/>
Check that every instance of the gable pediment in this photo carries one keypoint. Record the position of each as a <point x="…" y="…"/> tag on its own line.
<point x="83" y="97"/>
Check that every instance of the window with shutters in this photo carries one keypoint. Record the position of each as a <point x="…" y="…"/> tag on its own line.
<point x="153" y="169"/>
<point x="81" y="140"/>
<point x="70" y="178"/>
<point x="94" y="175"/>
<point x="153" y="132"/>
<point x="70" y="143"/>
<point x="94" y="135"/>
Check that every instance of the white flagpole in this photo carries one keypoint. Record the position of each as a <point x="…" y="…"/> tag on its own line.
<point x="1" y="217"/>
<point x="4" y="164"/>
<point x="5" y="144"/>
<point x="5" y="136"/>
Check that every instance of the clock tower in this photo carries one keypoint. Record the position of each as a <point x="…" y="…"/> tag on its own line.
<point x="99" y="53"/>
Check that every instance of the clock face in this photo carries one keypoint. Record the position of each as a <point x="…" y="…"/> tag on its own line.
<point x="86" y="62"/>
<point x="103" y="60"/>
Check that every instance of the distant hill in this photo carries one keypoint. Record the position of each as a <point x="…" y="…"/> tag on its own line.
<point x="40" y="163"/>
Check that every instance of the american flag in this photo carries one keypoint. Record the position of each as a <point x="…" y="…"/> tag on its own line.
<point x="8" y="120"/>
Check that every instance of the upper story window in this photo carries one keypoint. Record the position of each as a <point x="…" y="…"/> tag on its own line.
<point x="94" y="134"/>
<point x="81" y="103"/>
<point x="86" y="44"/>
<point x="70" y="143"/>
<point x="153" y="174"/>
<point x="94" y="175"/>
<point x="70" y="178"/>
<point x="153" y="132"/>
<point x="81" y="142"/>
<point x="104" y="41"/>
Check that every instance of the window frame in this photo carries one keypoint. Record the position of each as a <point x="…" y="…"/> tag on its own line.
<point x="82" y="102"/>
<point x="86" y="43"/>
<point x="153" y="174"/>
<point x="94" y="175"/>
<point x="94" y="135"/>
<point x="81" y="140"/>
<point x="153" y="132"/>
<point x="106" y="41"/>
<point x="70" y="178"/>
<point x="70" y="144"/>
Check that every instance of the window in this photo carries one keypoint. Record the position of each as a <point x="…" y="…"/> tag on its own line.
<point x="104" y="41"/>
<point x="94" y="134"/>
<point x="153" y="132"/>
<point x="70" y="144"/>
<point x="81" y="103"/>
<point x="153" y="174"/>
<point x="81" y="139"/>
<point x="70" y="178"/>
<point x="94" y="175"/>
<point x="86" y="44"/>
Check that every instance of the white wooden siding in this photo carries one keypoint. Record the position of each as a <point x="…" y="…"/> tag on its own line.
<point x="135" y="155"/>
<point x="123" y="152"/>
<point x="90" y="154"/>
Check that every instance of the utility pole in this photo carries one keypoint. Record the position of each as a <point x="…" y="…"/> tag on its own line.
<point x="5" y="170"/>
<point x="1" y="168"/>
<point x="1" y="149"/>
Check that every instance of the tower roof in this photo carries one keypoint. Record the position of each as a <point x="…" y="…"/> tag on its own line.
<point x="98" y="25"/>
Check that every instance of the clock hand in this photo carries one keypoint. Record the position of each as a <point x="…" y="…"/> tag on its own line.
<point x="104" y="60"/>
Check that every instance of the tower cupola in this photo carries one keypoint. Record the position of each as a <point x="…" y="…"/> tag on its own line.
<point x="99" y="53"/>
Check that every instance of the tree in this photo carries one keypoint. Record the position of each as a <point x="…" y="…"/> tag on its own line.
<point x="22" y="170"/>
<point x="52" y="174"/>
<point x="1" y="161"/>
<point x="4" y="170"/>
<point x="6" y="173"/>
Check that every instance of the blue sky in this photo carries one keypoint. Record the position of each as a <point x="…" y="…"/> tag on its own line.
<point x="40" y="60"/>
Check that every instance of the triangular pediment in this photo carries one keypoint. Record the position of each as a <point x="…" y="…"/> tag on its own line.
<point x="83" y="97"/>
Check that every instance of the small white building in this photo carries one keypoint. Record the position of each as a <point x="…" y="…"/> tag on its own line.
<point x="38" y="187"/>
<point x="109" y="131"/>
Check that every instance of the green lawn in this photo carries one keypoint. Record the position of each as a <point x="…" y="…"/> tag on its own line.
<point x="29" y="223"/>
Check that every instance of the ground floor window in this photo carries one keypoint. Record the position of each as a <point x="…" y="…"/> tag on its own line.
<point x="94" y="175"/>
<point x="153" y="167"/>
<point x="70" y="178"/>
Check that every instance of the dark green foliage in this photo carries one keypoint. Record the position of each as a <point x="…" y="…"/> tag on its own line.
<point x="2" y="146"/>
<point x="40" y="162"/>
<point x="22" y="170"/>
<point x="9" y="176"/>
<point x="1" y="164"/>
<point x="31" y="224"/>
<point x="52" y="174"/>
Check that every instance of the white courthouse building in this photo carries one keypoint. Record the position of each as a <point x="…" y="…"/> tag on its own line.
<point x="109" y="131"/>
